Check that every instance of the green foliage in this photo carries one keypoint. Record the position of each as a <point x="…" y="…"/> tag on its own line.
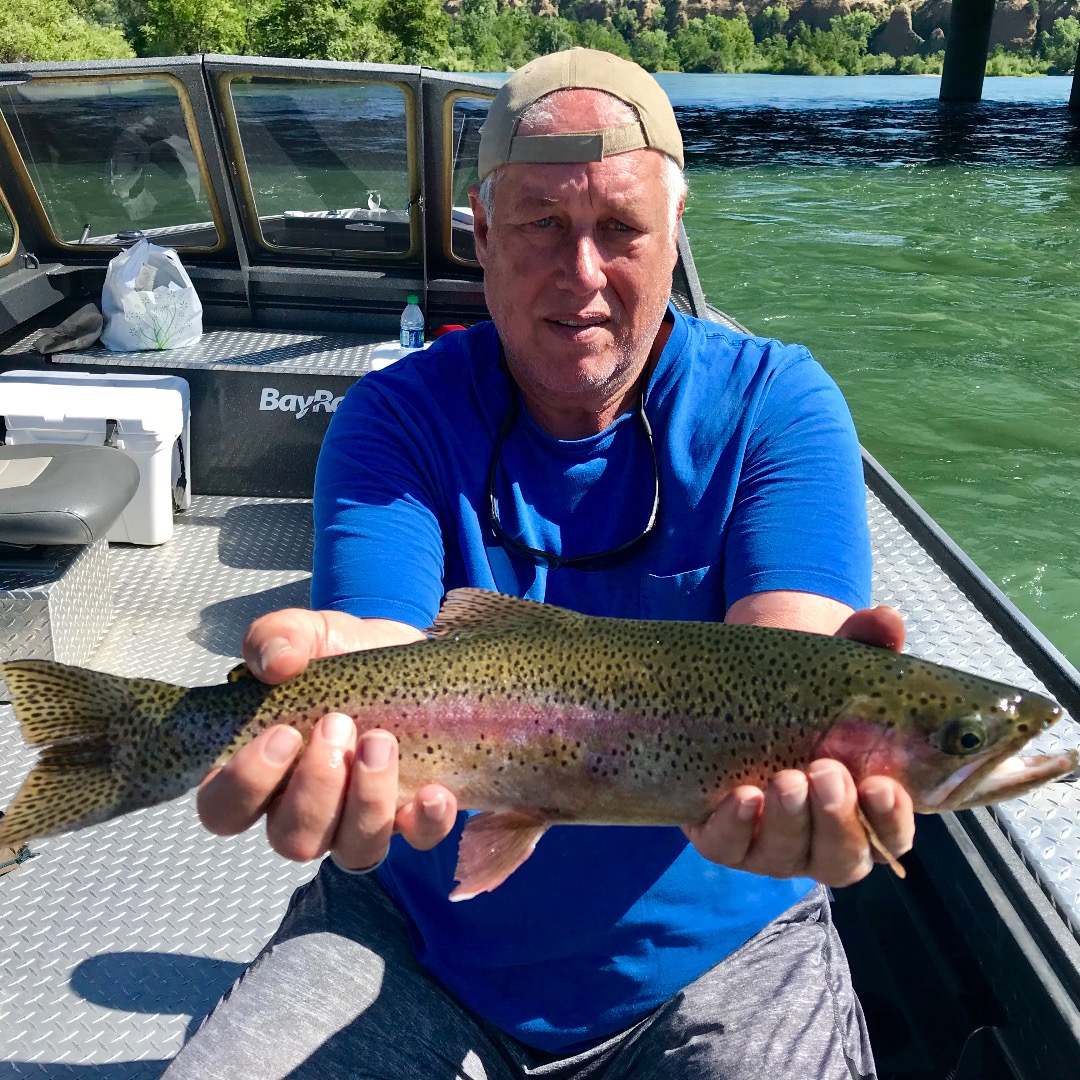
<point x="54" y="30"/>
<point x="770" y="22"/>
<point x="1001" y="62"/>
<point x="1058" y="48"/>
<point x="182" y="27"/>
<point x="716" y="44"/>
<point x="471" y="36"/>
<point x="840" y="50"/>
<point x="481" y="37"/>
<point x="653" y="51"/>
<point x="921" y="65"/>
<point x="626" y="22"/>
<point x="102" y="12"/>
<point x="593" y="35"/>
<point x="421" y="27"/>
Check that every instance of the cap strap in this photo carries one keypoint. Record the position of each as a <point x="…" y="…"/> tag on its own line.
<point x="579" y="145"/>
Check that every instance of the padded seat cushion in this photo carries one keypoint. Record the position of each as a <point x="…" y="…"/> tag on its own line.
<point x="53" y="493"/>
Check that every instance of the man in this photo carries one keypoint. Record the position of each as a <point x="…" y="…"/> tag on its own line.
<point x="593" y="448"/>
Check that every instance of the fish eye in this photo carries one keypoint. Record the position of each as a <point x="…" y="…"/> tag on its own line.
<point x="962" y="737"/>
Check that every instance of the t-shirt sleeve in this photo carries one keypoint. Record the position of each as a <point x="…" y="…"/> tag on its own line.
<point x="378" y="542"/>
<point x="799" y="517"/>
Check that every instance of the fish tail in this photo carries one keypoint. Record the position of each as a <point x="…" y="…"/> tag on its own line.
<point x="87" y="725"/>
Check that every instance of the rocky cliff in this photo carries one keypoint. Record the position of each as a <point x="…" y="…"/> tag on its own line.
<point x="910" y="27"/>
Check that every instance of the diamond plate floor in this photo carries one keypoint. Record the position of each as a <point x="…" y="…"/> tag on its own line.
<point x="238" y="348"/>
<point x="113" y="939"/>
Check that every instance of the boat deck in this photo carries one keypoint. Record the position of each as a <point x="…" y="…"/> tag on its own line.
<point x="117" y="939"/>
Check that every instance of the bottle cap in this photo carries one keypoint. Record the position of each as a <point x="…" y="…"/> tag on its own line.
<point x="412" y="298"/>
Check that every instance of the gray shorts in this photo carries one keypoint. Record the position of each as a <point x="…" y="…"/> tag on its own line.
<point x="338" y="994"/>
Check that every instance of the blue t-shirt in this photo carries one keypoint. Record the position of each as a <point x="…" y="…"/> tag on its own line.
<point x="761" y="488"/>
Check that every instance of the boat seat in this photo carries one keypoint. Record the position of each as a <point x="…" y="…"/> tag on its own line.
<point x="56" y="493"/>
<point x="57" y="502"/>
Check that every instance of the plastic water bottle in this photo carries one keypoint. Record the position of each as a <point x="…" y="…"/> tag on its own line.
<point x="412" y="325"/>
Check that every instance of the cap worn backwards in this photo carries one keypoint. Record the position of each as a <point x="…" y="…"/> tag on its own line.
<point x="577" y="69"/>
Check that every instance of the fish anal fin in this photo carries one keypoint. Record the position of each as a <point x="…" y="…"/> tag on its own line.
<point x="492" y="847"/>
<point x="241" y="671"/>
<point x="876" y="843"/>
<point x="478" y="609"/>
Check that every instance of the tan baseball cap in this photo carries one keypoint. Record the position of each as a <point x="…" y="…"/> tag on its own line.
<point x="577" y="69"/>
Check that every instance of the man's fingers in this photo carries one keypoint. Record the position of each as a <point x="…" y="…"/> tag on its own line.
<point x="727" y="834"/>
<point x="300" y="824"/>
<point x="428" y="818"/>
<point x="782" y="846"/>
<point x="279" y="645"/>
<point x="367" y="820"/>
<point x="881" y="626"/>
<point x="840" y="852"/>
<point x="231" y="799"/>
<point x="888" y="807"/>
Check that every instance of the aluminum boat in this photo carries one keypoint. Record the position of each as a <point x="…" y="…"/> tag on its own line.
<point x="307" y="200"/>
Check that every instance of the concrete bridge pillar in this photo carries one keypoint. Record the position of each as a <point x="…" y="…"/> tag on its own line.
<point x="965" y="50"/>
<point x="1074" y="96"/>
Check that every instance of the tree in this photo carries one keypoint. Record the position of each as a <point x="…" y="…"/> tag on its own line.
<point x="652" y="50"/>
<point x="54" y="30"/>
<point x="715" y="44"/>
<point x="551" y="34"/>
<point x="420" y="26"/>
<point x="625" y="21"/>
<point x="323" y="30"/>
<point x="594" y="35"/>
<point x="1059" y="47"/>
<point x="771" y="21"/>
<point x="182" y="27"/>
<point x="473" y="34"/>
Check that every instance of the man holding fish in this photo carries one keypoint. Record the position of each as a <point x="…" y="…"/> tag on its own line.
<point x="592" y="448"/>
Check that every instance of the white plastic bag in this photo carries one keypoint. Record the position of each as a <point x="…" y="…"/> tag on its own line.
<point x="148" y="301"/>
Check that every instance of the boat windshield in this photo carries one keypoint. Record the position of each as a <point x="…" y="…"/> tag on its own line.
<point x="8" y="236"/>
<point x="109" y="157"/>
<point x="468" y="116"/>
<point x="326" y="163"/>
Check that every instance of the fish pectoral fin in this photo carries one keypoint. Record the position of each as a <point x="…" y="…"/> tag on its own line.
<point x="492" y="847"/>
<point x="876" y="843"/>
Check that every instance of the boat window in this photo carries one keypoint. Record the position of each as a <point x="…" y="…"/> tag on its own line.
<point x="112" y="158"/>
<point x="9" y="236"/>
<point x="467" y="117"/>
<point x="326" y="163"/>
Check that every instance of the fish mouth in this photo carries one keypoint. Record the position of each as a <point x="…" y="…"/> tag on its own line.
<point x="983" y="783"/>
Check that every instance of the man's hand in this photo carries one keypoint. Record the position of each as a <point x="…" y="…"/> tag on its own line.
<point x="805" y="824"/>
<point x="342" y="796"/>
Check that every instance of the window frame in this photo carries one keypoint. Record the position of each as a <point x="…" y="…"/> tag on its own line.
<point x="242" y="175"/>
<point x="30" y="190"/>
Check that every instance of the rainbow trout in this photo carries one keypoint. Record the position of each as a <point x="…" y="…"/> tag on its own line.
<point x="540" y="716"/>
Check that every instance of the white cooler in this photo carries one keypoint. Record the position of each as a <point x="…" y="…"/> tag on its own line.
<point x="146" y="416"/>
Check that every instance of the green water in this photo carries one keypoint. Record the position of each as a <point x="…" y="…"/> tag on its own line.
<point x="945" y="301"/>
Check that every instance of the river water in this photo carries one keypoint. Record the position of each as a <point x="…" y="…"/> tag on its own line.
<point x="930" y="258"/>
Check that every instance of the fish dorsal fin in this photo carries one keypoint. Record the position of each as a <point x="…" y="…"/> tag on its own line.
<point x="239" y="672"/>
<point x="466" y="610"/>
